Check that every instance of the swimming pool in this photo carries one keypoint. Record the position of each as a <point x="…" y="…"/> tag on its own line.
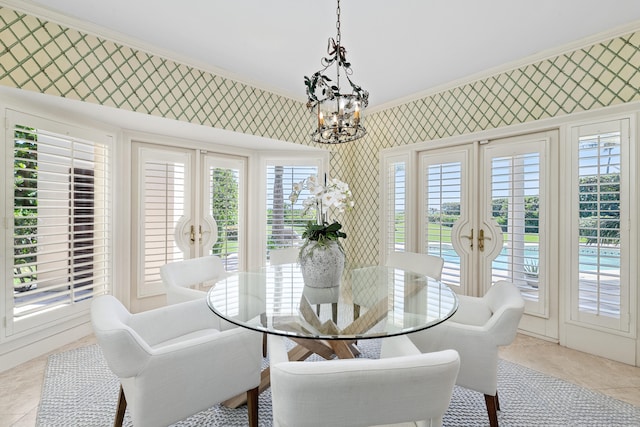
<point x="608" y="259"/>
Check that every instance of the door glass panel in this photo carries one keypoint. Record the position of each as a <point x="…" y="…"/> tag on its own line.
<point x="515" y="206"/>
<point x="163" y="207"/>
<point x="443" y="208"/>
<point x="224" y="208"/>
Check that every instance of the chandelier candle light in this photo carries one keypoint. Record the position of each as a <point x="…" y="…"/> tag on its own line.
<point x="338" y="114"/>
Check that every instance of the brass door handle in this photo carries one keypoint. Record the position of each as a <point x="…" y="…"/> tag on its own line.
<point x="481" y="239"/>
<point x="470" y="237"/>
<point x="192" y="234"/>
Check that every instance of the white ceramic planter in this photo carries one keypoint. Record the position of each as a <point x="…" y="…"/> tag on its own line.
<point x="322" y="266"/>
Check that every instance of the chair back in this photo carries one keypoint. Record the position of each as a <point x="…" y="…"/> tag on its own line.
<point x="284" y="256"/>
<point x="363" y="392"/>
<point x="178" y="276"/>
<point x="429" y="265"/>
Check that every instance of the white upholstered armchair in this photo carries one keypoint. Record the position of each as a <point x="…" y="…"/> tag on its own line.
<point x="476" y="331"/>
<point x="429" y="265"/>
<point x="361" y="392"/>
<point x="179" y="276"/>
<point x="368" y="289"/>
<point x="176" y="361"/>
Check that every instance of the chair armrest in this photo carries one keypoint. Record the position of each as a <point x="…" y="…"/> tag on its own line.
<point x="471" y="311"/>
<point x="125" y="351"/>
<point x="503" y="325"/>
<point x="220" y="366"/>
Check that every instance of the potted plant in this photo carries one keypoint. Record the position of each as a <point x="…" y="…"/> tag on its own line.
<point x="321" y="254"/>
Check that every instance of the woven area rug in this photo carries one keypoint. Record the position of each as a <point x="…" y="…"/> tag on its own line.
<point x="79" y="390"/>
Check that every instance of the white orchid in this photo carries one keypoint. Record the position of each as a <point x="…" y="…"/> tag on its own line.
<point x="335" y="194"/>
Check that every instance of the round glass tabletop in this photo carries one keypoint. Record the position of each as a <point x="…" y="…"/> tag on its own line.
<point x="371" y="302"/>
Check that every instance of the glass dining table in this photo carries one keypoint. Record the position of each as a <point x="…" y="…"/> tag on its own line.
<point x="371" y="302"/>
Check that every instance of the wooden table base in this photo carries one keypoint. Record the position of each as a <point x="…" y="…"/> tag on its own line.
<point x="327" y="349"/>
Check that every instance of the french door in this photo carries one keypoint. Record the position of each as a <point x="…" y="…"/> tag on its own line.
<point x="186" y="203"/>
<point x="485" y="208"/>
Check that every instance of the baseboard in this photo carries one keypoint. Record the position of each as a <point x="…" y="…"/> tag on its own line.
<point x="30" y="351"/>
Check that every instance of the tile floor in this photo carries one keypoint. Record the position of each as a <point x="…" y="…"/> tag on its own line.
<point x="20" y="387"/>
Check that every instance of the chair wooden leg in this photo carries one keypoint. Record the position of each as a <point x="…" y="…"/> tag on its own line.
<point x="497" y="401"/>
<point x="334" y="312"/>
<point x="263" y="321"/>
<point x="492" y="405"/>
<point x="264" y="345"/>
<point x="252" y="406"/>
<point x="122" y="406"/>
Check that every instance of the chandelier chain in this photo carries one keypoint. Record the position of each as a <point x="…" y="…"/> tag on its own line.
<point x="340" y="54"/>
<point x="338" y="24"/>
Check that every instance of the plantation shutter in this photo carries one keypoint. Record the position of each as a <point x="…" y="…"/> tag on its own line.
<point x="517" y="204"/>
<point x="61" y="221"/>
<point x="515" y="197"/>
<point x="285" y="221"/>
<point x="163" y="193"/>
<point x="395" y="206"/>
<point x="443" y="205"/>
<point x="601" y="219"/>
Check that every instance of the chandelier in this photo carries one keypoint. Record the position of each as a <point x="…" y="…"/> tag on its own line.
<point x="338" y="114"/>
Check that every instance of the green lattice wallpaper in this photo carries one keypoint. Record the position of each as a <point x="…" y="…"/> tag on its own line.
<point x="45" y="57"/>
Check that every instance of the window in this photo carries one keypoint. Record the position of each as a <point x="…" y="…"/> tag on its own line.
<point x="61" y="221"/>
<point x="396" y="205"/>
<point x="600" y="246"/>
<point x="286" y="221"/>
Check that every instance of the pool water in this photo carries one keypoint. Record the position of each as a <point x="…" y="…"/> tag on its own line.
<point x="588" y="257"/>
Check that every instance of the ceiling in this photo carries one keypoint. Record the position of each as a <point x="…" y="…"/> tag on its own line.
<point x="399" y="50"/>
